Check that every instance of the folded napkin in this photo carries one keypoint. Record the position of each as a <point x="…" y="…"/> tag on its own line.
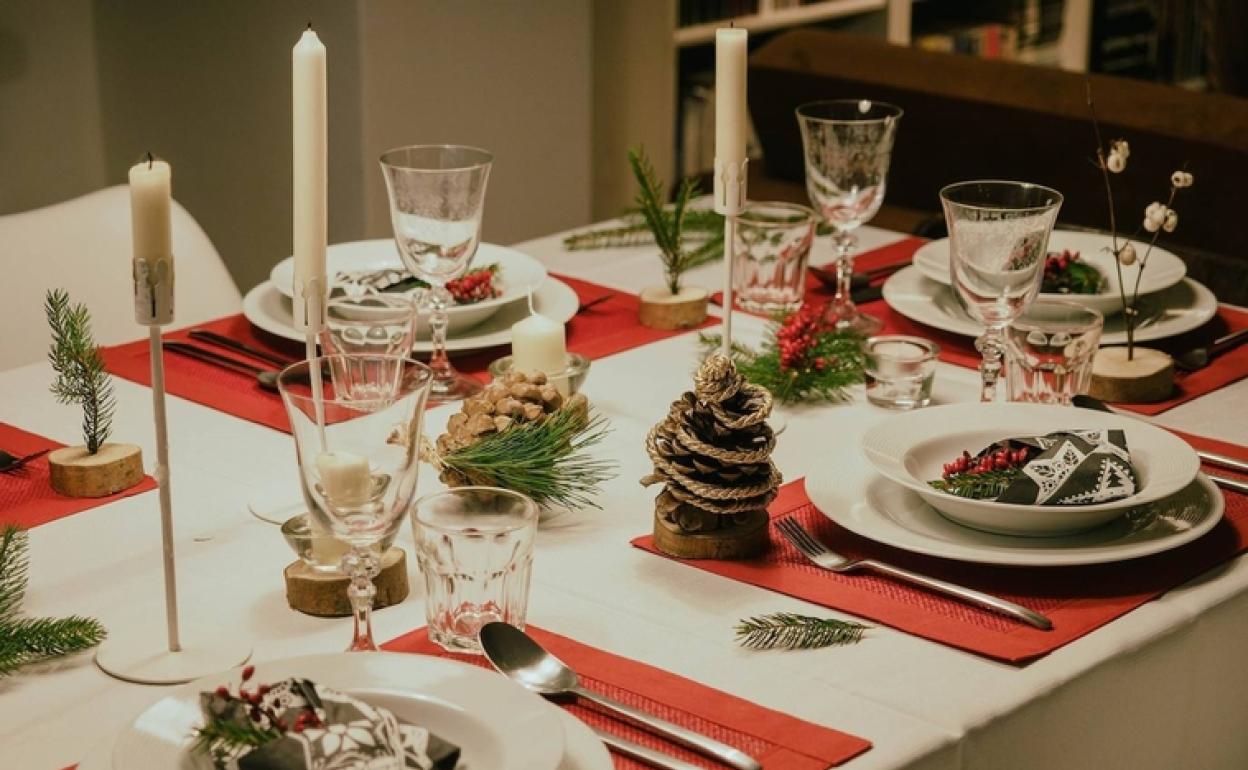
<point x="1069" y="467"/>
<point x="344" y="733"/>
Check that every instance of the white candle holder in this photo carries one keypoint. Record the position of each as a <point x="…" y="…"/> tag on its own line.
<point x="129" y="654"/>
<point x="730" y="196"/>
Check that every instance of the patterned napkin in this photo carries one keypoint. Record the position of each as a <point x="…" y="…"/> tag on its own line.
<point x="348" y="733"/>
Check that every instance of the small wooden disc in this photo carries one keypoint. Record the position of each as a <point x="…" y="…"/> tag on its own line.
<point x="1147" y="378"/>
<point x="660" y="309"/>
<point x="76" y="473"/>
<point x="324" y="594"/>
<point x="735" y="541"/>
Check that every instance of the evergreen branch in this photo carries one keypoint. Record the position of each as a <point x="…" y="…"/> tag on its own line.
<point x="978" y="486"/>
<point x="42" y="638"/>
<point x="81" y="377"/>
<point x="841" y="352"/>
<point x="14" y="568"/>
<point x="222" y="738"/>
<point x="790" y="631"/>
<point x="545" y="459"/>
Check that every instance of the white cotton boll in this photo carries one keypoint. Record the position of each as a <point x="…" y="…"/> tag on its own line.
<point x="1156" y="213"/>
<point x="1150" y="225"/>
<point x="1188" y="179"/>
<point x="1115" y="163"/>
<point x="1126" y="255"/>
<point x="1172" y="221"/>
<point x="1120" y="147"/>
<point x="1176" y="179"/>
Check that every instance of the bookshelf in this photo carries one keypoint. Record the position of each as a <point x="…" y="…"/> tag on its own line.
<point x="777" y="14"/>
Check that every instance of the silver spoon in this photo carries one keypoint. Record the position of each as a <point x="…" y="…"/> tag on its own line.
<point x="525" y="661"/>
<point x="1199" y="358"/>
<point x="265" y="378"/>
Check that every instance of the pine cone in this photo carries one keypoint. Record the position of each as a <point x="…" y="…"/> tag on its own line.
<point x="713" y="450"/>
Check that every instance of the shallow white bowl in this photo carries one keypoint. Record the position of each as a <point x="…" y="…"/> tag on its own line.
<point x="1164" y="268"/>
<point x="910" y="448"/>
<point x="518" y="274"/>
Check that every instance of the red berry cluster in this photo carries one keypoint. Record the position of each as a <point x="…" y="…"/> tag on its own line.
<point x="797" y="336"/>
<point x="255" y="699"/>
<point x="1056" y="264"/>
<point x="1002" y="459"/>
<point x="473" y="287"/>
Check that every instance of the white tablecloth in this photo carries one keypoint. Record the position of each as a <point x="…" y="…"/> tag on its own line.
<point x="1162" y="687"/>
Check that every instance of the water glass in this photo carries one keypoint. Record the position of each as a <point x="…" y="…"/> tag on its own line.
<point x="899" y="370"/>
<point x="770" y="253"/>
<point x="375" y="324"/>
<point x="1049" y="351"/>
<point x="475" y="546"/>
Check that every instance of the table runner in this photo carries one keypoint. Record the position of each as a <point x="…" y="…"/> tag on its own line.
<point x="778" y="741"/>
<point x="606" y="328"/>
<point x="1077" y="599"/>
<point x="27" y="498"/>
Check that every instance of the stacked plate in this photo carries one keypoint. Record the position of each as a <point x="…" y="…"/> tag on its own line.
<point x="1171" y="303"/>
<point x="496" y="723"/>
<point x="1173" y="505"/>
<point x="471" y="327"/>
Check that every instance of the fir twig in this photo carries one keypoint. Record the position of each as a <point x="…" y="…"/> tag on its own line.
<point x="666" y="224"/>
<point x="978" y="486"/>
<point x="80" y="374"/>
<point x="14" y="566"/>
<point x="545" y="459"/>
<point x="790" y="631"/>
<point x="222" y="738"/>
<point x="841" y="350"/>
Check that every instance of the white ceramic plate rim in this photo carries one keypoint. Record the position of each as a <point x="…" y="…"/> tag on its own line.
<point x="1164" y="268"/>
<point x="901" y="431"/>
<point x="528" y="728"/>
<point x="975" y="546"/>
<point x="264" y="306"/>
<point x="381" y="253"/>
<point x="914" y="295"/>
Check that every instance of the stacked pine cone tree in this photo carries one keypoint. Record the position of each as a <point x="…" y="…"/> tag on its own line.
<point x="712" y="453"/>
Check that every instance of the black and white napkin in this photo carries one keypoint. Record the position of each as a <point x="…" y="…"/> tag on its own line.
<point x="1073" y="467"/>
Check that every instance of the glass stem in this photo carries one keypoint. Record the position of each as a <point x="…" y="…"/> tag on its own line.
<point x="844" y="273"/>
<point x="990" y="346"/>
<point x="438" y="299"/>
<point x="362" y="565"/>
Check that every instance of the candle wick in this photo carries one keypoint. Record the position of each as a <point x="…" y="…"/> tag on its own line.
<point x="309" y="26"/>
<point x="530" y="297"/>
<point x="150" y="159"/>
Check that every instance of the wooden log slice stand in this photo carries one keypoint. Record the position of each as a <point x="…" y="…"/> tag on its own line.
<point x="741" y="540"/>
<point x="324" y="594"/>
<point x="660" y="309"/>
<point x="1145" y="379"/>
<point x="74" y="472"/>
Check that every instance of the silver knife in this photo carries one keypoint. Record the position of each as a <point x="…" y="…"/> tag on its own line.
<point x="1231" y="484"/>
<point x="642" y="754"/>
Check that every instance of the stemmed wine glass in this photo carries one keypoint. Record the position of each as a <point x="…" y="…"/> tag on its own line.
<point x="359" y="453"/>
<point x="998" y="239"/>
<point x="437" y="195"/>
<point x="847" y="145"/>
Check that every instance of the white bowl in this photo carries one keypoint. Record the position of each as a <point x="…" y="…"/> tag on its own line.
<point x="518" y="274"/>
<point x="1164" y="268"/>
<point x="910" y="448"/>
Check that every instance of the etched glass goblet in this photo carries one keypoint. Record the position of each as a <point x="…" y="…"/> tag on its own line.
<point x="847" y="145"/>
<point x="437" y="197"/>
<point x="358" y="449"/>
<point x="998" y="239"/>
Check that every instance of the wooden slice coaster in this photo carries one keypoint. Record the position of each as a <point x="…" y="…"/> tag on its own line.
<point x="324" y="594"/>
<point x="76" y="473"/>
<point x="660" y="309"/>
<point x="735" y="541"/>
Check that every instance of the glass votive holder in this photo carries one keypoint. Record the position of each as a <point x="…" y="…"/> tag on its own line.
<point x="375" y="324"/>
<point x="1049" y="351"/>
<point x="771" y="249"/>
<point x="321" y="550"/>
<point x="475" y="547"/>
<point x="899" y="370"/>
<point x="568" y="381"/>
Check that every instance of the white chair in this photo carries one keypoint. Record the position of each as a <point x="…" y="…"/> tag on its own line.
<point x="84" y="246"/>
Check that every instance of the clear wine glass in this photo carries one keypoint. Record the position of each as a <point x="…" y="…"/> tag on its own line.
<point x="998" y="239"/>
<point x="437" y="197"/>
<point x="847" y="145"/>
<point x="358" y="453"/>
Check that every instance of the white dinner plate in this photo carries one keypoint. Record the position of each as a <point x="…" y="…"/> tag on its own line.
<point x="911" y="449"/>
<point x="495" y="722"/>
<point x="1183" y="307"/>
<point x="265" y="307"/>
<point x="1164" y="268"/>
<point x="888" y="513"/>
<point x="518" y="273"/>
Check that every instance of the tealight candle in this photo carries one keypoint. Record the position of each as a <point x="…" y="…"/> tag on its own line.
<point x="899" y="371"/>
<point x="345" y="477"/>
<point x="539" y="344"/>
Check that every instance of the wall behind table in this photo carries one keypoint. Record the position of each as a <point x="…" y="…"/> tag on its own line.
<point x="87" y="86"/>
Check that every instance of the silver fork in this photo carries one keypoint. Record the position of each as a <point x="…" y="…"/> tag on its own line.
<point x="819" y="553"/>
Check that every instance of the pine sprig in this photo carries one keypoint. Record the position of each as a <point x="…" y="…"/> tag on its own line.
<point x="790" y="631"/>
<point x="31" y="640"/>
<point x="978" y="486"/>
<point x="80" y="374"/>
<point x="840" y="350"/>
<point x="222" y="738"/>
<point x="546" y="459"/>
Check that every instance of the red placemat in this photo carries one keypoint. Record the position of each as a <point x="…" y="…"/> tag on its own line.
<point x="27" y="497"/>
<point x="606" y="328"/>
<point x="778" y="741"/>
<point x="1077" y="599"/>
